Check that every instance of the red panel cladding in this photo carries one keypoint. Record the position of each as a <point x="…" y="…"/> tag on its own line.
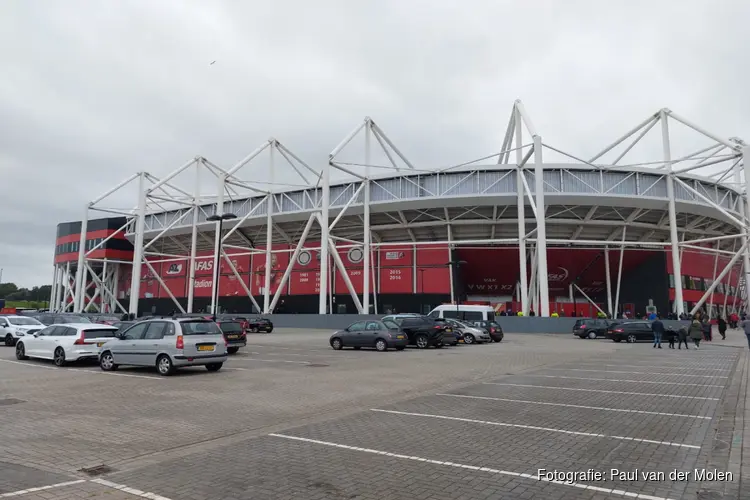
<point x="174" y="269"/>
<point x="357" y="279"/>
<point x="396" y="256"/>
<point x="396" y="280"/>
<point x="204" y="263"/>
<point x="241" y="263"/>
<point x="176" y="285"/>
<point x="149" y="285"/>
<point x="304" y="282"/>
<point x="202" y="287"/>
<point x="279" y="263"/>
<point x="308" y="258"/>
<point x="352" y="257"/>
<point x="431" y="256"/>
<point x="433" y="280"/>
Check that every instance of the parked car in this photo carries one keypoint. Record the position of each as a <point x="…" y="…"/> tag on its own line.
<point x="14" y="327"/>
<point x="234" y="334"/>
<point x="123" y="325"/>
<point x="382" y="335"/>
<point x="61" y="318"/>
<point x="591" y="328"/>
<point x="630" y="331"/>
<point x="167" y="344"/>
<point x="105" y="319"/>
<point x="471" y="334"/>
<point x="422" y="331"/>
<point x="494" y="330"/>
<point x="259" y="325"/>
<point x="65" y="343"/>
<point x="463" y="312"/>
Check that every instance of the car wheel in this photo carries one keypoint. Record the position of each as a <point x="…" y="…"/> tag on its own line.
<point x="21" y="351"/>
<point x="59" y="357"/>
<point x="253" y="330"/>
<point x="469" y="338"/>
<point x="164" y="365"/>
<point x="632" y="338"/>
<point x="270" y="330"/>
<point x="381" y="345"/>
<point x="107" y="362"/>
<point x="214" y="367"/>
<point x="422" y="341"/>
<point x="400" y="348"/>
<point x="337" y="344"/>
<point x="591" y="334"/>
<point x="9" y="340"/>
<point x="232" y="350"/>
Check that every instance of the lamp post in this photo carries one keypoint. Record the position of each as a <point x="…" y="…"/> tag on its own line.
<point x="456" y="265"/>
<point x="219" y="219"/>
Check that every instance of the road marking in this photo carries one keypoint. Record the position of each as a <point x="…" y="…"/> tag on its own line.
<point x="277" y="361"/>
<point x="68" y="369"/>
<point x="621" y="380"/>
<point x="599" y="390"/>
<point x="127" y="489"/>
<point x="240" y="369"/>
<point x="41" y="488"/>
<point x="634" y="373"/>
<point x="533" y="427"/>
<point x="534" y="477"/>
<point x="679" y="367"/>
<point x="623" y="410"/>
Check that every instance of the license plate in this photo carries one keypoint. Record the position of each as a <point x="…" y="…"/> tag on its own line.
<point x="233" y="336"/>
<point x="205" y="348"/>
<point x="399" y="336"/>
<point x="449" y="330"/>
<point x="99" y="344"/>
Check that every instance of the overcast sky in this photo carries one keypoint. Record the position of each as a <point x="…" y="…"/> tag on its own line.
<point x="91" y="91"/>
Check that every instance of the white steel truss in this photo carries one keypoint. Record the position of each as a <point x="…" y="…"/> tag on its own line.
<point x="693" y="201"/>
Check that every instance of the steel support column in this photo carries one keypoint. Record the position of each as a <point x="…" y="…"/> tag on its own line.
<point x="521" y="205"/>
<point x="269" y="234"/>
<point x="53" y="291"/>
<point x="194" y="239"/>
<point x="324" y="202"/>
<point x="135" y="282"/>
<point x="673" y="236"/>
<point x="217" y="242"/>
<point x="609" y="282"/>
<point x="366" y="219"/>
<point x="746" y="214"/>
<point x="541" y="230"/>
<point x="80" y="269"/>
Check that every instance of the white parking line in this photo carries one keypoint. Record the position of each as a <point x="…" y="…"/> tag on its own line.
<point x="127" y="489"/>
<point x="533" y="427"/>
<point x="68" y="369"/>
<point x="678" y="367"/>
<point x="599" y="390"/>
<point x="622" y="410"/>
<point x="277" y="361"/>
<point x="634" y="373"/>
<point x="621" y="380"/>
<point x="40" y="488"/>
<point x="533" y="477"/>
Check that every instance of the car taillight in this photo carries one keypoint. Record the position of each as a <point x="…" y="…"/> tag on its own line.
<point x="180" y="343"/>
<point x="582" y="326"/>
<point x="80" y="340"/>
<point x="618" y="330"/>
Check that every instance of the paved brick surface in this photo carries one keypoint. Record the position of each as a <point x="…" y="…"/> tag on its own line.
<point x="533" y="401"/>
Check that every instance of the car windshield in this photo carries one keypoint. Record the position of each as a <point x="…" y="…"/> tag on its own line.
<point x="76" y="319"/>
<point x="230" y="327"/>
<point x="100" y="332"/>
<point x="24" y="321"/>
<point x="200" y="327"/>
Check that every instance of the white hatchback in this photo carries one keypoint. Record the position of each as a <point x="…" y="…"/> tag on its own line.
<point x="65" y="343"/>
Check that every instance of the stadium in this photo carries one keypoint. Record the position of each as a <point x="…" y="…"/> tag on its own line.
<point x="531" y="228"/>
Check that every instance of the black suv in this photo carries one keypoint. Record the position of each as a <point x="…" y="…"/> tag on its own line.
<point x="259" y="325"/>
<point x="234" y="334"/>
<point x="422" y="331"/>
<point x="591" y="328"/>
<point x="631" y="331"/>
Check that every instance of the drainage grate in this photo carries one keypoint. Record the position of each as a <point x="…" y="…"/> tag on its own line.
<point x="98" y="470"/>
<point x="317" y="365"/>
<point x="10" y="401"/>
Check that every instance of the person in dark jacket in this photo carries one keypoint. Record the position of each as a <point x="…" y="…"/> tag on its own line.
<point x="682" y="336"/>
<point x="722" y="327"/>
<point x="706" y="324"/>
<point x="696" y="331"/>
<point x="657" y="327"/>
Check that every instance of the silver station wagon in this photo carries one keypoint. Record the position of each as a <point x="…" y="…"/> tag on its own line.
<point x="167" y="344"/>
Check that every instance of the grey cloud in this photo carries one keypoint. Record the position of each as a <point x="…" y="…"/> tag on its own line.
<point x="90" y="94"/>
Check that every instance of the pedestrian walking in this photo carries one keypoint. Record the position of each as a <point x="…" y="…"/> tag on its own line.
<point x="722" y="327"/>
<point x="682" y="336"/>
<point x="657" y="328"/>
<point x="696" y="331"/>
<point x="671" y="334"/>
<point x="706" y="325"/>
<point x="746" y="327"/>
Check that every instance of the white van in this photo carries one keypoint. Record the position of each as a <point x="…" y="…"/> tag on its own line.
<point x="464" y="312"/>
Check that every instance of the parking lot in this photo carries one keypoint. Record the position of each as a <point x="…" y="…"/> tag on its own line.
<point x="290" y="418"/>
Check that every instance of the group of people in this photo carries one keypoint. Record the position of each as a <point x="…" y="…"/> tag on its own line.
<point x="699" y="329"/>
